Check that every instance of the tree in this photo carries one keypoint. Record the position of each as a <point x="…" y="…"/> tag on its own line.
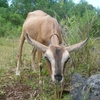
<point x="82" y="7"/>
<point x="3" y="3"/>
<point x="22" y="7"/>
<point x="56" y="8"/>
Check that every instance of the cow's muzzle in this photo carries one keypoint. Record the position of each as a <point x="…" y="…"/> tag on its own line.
<point x="58" y="77"/>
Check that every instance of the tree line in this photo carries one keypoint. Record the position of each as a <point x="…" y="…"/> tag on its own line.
<point x="14" y="12"/>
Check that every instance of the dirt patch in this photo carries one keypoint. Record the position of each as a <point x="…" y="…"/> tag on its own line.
<point x="18" y="91"/>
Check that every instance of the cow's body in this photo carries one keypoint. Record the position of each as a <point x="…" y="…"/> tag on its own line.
<point x="44" y="34"/>
<point x="41" y="26"/>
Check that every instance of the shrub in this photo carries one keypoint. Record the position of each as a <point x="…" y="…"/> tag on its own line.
<point x="16" y="19"/>
<point x="76" y="29"/>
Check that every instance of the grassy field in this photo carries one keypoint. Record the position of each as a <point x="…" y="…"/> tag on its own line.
<point x="26" y="87"/>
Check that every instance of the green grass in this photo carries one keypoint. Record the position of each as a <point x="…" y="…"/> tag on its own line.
<point x="8" y="60"/>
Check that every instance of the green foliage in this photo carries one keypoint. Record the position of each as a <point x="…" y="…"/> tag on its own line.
<point x="2" y="30"/>
<point x="3" y="12"/>
<point x="10" y="24"/>
<point x="3" y="3"/>
<point x="77" y="29"/>
<point x="96" y="26"/>
<point x="8" y="30"/>
<point x="16" y="13"/>
<point x="16" y="19"/>
<point x="22" y="7"/>
<point x="82" y="7"/>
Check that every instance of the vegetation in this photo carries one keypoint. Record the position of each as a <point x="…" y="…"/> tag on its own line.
<point x="78" y="21"/>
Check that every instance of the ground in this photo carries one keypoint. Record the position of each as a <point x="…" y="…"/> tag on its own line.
<point x="25" y="87"/>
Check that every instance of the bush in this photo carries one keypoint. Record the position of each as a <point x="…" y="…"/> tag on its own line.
<point x="2" y="29"/>
<point x="10" y="24"/>
<point x="77" y="29"/>
<point x="9" y="30"/>
<point x="16" y="19"/>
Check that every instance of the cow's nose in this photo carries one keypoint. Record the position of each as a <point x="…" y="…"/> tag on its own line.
<point x="58" y="77"/>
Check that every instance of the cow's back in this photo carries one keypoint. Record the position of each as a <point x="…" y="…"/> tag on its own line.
<point x="37" y="13"/>
<point x="40" y="25"/>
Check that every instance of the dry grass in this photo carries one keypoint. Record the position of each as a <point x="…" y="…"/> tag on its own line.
<point x="25" y="87"/>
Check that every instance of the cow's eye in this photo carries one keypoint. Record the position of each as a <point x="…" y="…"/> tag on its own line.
<point x="46" y="58"/>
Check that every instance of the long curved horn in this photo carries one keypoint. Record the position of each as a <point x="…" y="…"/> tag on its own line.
<point x="77" y="46"/>
<point x="36" y="44"/>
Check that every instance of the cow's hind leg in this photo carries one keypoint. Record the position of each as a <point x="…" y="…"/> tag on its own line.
<point x="39" y="64"/>
<point x="22" y="39"/>
<point x="33" y="59"/>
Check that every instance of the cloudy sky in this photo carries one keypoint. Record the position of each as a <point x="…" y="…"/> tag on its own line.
<point x="95" y="3"/>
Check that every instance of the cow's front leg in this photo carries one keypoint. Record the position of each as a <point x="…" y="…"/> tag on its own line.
<point x="22" y="39"/>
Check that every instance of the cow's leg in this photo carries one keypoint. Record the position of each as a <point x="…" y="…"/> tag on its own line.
<point x="33" y="58"/>
<point x="39" y="64"/>
<point x="22" y="39"/>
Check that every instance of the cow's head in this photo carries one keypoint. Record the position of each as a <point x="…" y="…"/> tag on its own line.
<point x="56" y="57"/>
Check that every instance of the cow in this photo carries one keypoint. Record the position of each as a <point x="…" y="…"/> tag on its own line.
<point x="44" y="33"/>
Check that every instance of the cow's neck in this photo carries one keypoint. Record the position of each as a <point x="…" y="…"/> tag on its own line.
<point x="54" y="39"/>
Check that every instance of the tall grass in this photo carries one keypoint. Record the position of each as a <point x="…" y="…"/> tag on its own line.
<point x="76" y="29"/>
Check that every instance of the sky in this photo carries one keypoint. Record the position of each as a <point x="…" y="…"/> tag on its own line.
<point x="95" y="3"/>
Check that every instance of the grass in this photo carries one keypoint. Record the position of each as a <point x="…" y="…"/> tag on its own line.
<point x="29" y="80"/>
<point x="8" y="79"/>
